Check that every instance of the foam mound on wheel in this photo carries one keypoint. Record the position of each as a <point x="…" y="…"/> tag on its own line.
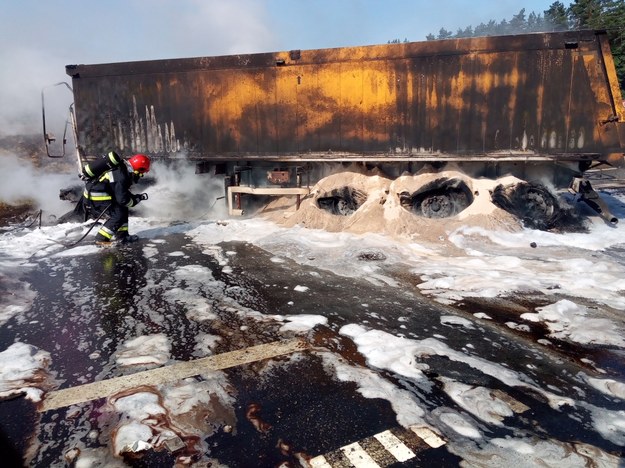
<point x="425" y="206"/>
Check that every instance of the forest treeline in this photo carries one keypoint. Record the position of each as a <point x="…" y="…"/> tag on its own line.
<point x="608" y="15"/>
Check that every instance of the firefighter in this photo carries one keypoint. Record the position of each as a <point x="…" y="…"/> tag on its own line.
<point x="111" y="192"/>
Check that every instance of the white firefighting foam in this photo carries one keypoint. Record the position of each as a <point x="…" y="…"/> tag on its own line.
<point x="567" y="320"/>
<point x="179" y="414"/>
<point x="383" y="213"/>
<point x="24" y="369"/>
<point x="146" y="350"/>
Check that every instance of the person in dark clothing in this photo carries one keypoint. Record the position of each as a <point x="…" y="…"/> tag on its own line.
<point x="111" y="192"/>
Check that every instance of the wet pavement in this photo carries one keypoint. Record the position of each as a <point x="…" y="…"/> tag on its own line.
<point x="491" y="393"/>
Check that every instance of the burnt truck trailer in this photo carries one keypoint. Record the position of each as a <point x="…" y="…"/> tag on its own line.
<point x="544" y="106"/>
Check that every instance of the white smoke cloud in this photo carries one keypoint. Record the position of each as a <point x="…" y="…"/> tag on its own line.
<point x="232" y="27"/>
<point x="23" y="183"/>
<point x="21" y="84"/>
<point x="180" y="194"/>
<point x="39" y="40"/>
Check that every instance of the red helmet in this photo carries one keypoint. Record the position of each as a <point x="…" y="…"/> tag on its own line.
<point x="140" y="163"/>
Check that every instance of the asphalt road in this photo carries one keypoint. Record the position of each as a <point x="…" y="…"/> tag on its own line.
<point x="291" y="409"/>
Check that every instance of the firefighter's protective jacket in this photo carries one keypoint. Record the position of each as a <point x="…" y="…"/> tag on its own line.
<point x="113" y="186"/>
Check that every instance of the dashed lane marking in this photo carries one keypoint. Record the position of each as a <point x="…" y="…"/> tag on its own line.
<point x="171" y="373"/>
<point x="381" y="450"/>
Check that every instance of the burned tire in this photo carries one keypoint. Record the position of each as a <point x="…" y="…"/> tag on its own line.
<point x="442" y="198"/>
<point x="531" y="202"/>
<point x="541" y="203"/>
<point x="342" y="202"/>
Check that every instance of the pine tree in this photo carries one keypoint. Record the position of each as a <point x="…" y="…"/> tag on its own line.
<point x="556" y="17"/>
<point x="444" y="34"/>
<point x="502" y="28"/>
<point x="535" y="22"/>
<point x="580" y="14"/>
<point x="518" y="23"/>
<point x="585" y="14"/>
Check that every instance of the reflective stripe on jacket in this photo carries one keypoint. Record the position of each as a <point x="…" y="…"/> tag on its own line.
<point x="114" y="186"/>
<point x="97" y="196"/>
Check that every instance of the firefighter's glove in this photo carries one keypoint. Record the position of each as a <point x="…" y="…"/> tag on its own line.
<point x="137" y="198"/>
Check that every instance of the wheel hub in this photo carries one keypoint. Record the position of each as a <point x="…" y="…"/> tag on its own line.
<point x="437" y="206"/>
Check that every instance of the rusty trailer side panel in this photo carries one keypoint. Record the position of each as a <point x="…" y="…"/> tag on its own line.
<point x="547" y="96"/>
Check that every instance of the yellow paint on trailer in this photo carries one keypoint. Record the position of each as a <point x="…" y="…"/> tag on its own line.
<point x="551" y="95"/>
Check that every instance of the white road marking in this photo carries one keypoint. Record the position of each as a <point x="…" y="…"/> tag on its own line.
<point x="174" y="372"/>
<point x="319" y="462"/>
<point x="358" y="456"/>
<point x="395" y="449"/>
<point x="428" y="436"/>
<point x="395" y="446"/>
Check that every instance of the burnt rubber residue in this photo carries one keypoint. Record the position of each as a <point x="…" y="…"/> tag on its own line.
<point x="441" y="198"/>
<point x="342" y="201"/>
<point x="536" y="207"/>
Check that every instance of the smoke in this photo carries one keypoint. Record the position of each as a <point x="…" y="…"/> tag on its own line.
<point x="210" y="23"/>
<point x="38" y="40"/>
<point x="175" y="192"/>
<point x="179" y="194"/>
<point x="20" y="94"/>
<point x="23" y="183"/>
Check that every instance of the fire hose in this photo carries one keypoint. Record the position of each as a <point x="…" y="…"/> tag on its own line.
<point x="95" y="222"/>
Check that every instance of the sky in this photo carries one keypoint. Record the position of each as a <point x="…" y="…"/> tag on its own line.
<point x="39" y="38"/>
